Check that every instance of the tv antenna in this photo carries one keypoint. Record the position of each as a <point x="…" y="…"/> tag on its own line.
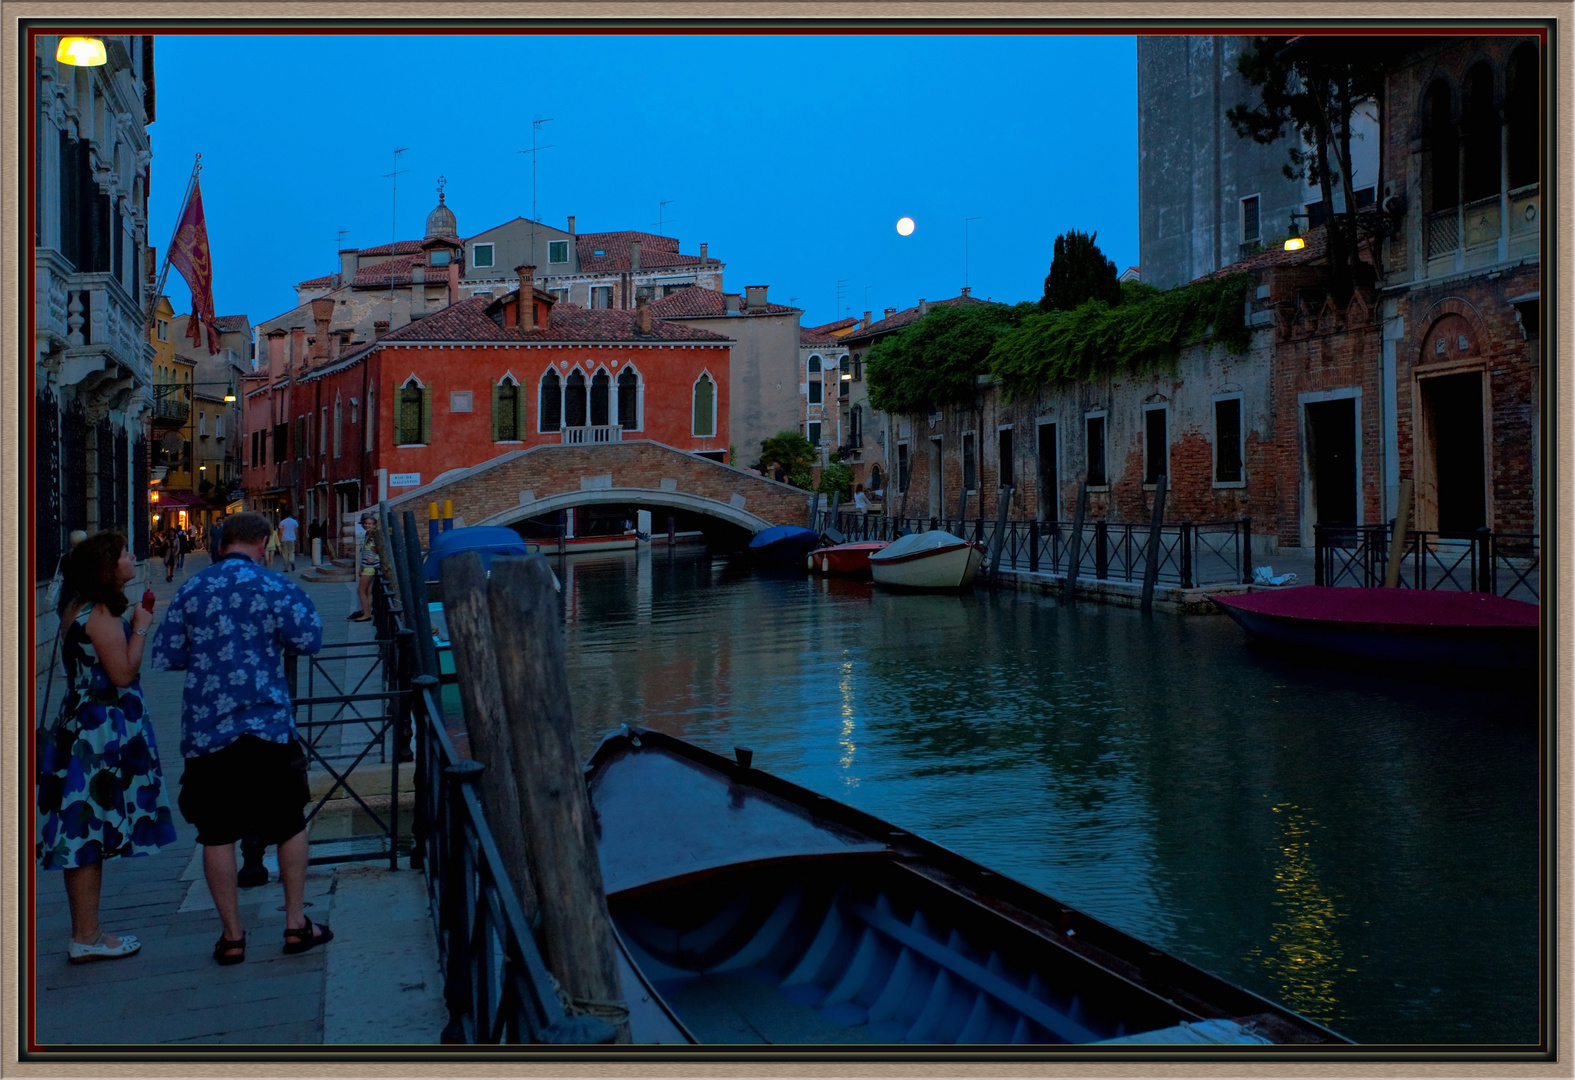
<point x="661" y="215"/>
<point x="535" y="129"/>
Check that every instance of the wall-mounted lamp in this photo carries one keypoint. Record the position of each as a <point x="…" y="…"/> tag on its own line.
<point x="155" y="498"/>
<point x="229" y="397"/>
<point x="81" y="51"/>
<point x="202" y="468"/>
<point x="1295" y="243"/>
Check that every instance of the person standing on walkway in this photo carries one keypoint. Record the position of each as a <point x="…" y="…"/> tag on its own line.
<point x="182" y="548"/>
<point x="100" y="787"/>
<point x="287" y="532"/>
<point x="368" y="563"/>
<point x="215" y="538"/>
<point x="172" y="540"/>
<point x="230" y="628"/>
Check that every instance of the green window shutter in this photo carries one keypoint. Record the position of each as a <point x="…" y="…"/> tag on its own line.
<point x="400" y="437"/>
<point x="426" y="417"/>
<point x="495" y="416"/>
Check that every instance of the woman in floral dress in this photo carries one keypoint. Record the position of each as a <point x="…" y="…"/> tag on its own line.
<point x="100" y="788"/>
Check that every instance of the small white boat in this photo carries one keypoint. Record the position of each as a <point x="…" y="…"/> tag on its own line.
<point x="927" y="560"/>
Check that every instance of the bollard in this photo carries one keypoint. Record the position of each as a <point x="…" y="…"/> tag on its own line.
<point x="448" y="515"/>
<point x="432" y="523"/>
<point x="317" y="551"/>
<point x="556" y="819"/>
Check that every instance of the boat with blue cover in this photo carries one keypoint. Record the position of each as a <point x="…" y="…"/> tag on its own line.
<point x="490" y="542"/>
<point x="783" y="545"/>
<point x="751" y="910"/>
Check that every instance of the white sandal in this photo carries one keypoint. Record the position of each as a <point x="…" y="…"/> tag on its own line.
<point x="84" y="954"/>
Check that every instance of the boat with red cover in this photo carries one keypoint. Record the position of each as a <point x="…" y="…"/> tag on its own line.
<point x="1405" y="626"/>
<point x="852" y="559"/>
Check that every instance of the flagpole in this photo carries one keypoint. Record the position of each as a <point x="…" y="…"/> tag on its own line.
<point x="158" y="289"/>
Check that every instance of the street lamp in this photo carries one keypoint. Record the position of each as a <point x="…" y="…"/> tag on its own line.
<point x="81" y="52"/>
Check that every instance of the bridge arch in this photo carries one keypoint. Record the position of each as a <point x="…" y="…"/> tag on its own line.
<point x="676" y="500"/>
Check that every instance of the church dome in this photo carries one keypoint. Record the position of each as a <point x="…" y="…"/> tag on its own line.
<point x="441" y="221"/>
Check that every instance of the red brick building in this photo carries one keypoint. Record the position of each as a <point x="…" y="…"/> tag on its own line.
<point x="468" y="383"/>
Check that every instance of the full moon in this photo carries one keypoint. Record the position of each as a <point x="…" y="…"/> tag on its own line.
<point x="905" y="226"/>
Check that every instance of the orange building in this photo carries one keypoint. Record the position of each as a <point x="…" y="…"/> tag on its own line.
<point x="339" y="430"/>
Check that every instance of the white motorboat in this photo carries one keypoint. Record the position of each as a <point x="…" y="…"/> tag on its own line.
<point x="927" y="560"/>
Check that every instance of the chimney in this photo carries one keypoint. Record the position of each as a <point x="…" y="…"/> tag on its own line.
<point x="634" y="255"/>
<point x="379" y="328"/>
<point x="756" y="296"/>
<point x="642" y="315"/>
<point x="322" y="315"/>
<point x="571" y="224"/>
<point x="889" y="312"/>
<point x="527" y="276"/>
<point x="924" y="308"/>
<point x="731" y="303"/>
<point x="276" y="353"/>
<point x="418" y="274"/>
<point x="966" y="290"/>
<point x="453" y="281"/>
<point x="868" y="322"/>
<point x="297" y="346"/>
<point x="704" y="258"/>
<point x="347" y="264"/>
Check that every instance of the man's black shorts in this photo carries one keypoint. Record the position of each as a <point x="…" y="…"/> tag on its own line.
<point x="251" y="788"/>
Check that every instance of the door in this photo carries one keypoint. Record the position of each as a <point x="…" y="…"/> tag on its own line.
<point x="937" y="486"/>
<point x="1331" y="462"/>
<point x="1453" y="465"/>
<point x="1049" y="484"/>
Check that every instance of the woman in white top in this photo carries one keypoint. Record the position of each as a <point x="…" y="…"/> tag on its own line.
<point x="861" y="501"/>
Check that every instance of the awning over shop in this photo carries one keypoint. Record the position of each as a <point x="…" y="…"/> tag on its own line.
<point x="179" y="500"/>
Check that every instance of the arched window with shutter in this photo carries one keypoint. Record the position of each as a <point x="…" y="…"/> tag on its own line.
<point x="506" y="413"/>
<point x="412" y="414"/>
<point x="1480" y="124"/>
<point x="551" y="410"/>
<point x="629" y="399"/>
<point x="705" y="407"/>
<point x="816" y="382"/>
<point x="1523" y="114"/>
<point x="1440" y="150"/>
<point x="574" y="410"/>
<point x="601" y="394"/>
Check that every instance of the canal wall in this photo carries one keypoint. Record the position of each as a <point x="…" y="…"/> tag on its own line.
<point x="1168" y="600"/>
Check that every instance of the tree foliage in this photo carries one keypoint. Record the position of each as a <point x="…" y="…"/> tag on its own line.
<point x="938" y="359"/>
<point x="1079" y="272"/>
<point x="1311" y="91"/>
<point x="1096" y="339"/>
<point x="836" y="478"/>
<point x="792" y="450"/>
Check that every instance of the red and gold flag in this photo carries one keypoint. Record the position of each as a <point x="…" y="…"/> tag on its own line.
<point x="189" y="254"/>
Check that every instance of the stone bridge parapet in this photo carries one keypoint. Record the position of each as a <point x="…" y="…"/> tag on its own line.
<point x="544" y="479"/>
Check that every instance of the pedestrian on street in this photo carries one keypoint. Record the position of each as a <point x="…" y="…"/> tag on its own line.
<point x="369" y="562"/>
<point x="172" y="541"/>
<point x="272" y="547"/>
<point x="182" y="548"/>
<point x="100" y="787"/>
<point x="315" y="531"/>
<point x="230" y="628"/>
<point x="287" y="530"/>
<point x="215" y="538"/>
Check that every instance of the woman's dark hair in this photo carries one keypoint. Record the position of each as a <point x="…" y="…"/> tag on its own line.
<point x="89" y="574"/>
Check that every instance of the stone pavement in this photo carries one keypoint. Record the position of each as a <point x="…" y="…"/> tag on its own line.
<point x="377" y="982"/>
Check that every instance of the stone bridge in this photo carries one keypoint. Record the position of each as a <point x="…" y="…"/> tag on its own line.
<point x="544" y="479"/>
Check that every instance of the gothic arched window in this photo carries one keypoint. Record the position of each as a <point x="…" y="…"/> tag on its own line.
<point x="551" y="411"/>
<point x="705" y="407"/>
<point x="574" y="399"/>
<point x="601" y="389"/>
<point x="628" y="399"/>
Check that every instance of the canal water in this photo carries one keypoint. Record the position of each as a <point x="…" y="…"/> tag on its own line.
<point x="1359" y="847"/>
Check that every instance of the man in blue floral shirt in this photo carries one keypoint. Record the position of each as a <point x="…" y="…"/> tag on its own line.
<point x="229" y="628"/>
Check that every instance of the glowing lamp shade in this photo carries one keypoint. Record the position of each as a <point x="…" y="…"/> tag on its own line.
<point x="229" y="397"/>
<point x="81" y="51"/>
<point x="155" y="496"/>
<point x="905" y="226"/>
<point x="1295" y="243"/>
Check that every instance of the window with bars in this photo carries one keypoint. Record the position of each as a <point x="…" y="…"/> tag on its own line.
<point x="412" y="416"/>
<point x="506" y="423"/>
<point x="1227" y="441"/>
<point x="704" y="407"/>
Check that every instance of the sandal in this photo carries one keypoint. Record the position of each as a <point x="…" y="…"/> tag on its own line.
<point x="97" y="950"/>
<point x="224" y="951"/>
<point x="302" y="938"/>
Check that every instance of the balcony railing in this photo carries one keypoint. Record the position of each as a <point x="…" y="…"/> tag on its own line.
<point x="579" y="436"/>
<point x="171" y="410"/>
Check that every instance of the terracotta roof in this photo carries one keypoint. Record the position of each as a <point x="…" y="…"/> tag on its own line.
<point x="232" y="324"/>
<point x="808" y="336"/>
<point x="1316" y="250"/>
<point x="469" y="320"/>
<point x="398" y="247"/>
<point x="833" y="327"/>
<point x="908" y="316"/>
<point x="397" y="272"/>
<point x="326" y="279"/>
<point x="698" y="302"/>
<point x="656" y="252"/>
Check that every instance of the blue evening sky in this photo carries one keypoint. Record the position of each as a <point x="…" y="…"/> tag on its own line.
<point x="791" y="156"/>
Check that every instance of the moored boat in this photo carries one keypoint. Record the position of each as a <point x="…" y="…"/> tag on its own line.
<point x="756" y="911"/>
<point x="783" y="545"/>
<point x="1428" y="628"/>
<point x="927" y="560"/>
<point x="852" y="559"/>
<point x="490" y="542"/>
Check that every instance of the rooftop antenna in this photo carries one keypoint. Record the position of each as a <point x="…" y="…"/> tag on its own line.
<point x="661" y="215"/>
<point x="535" y="129"/>
<point x="393" y="228"/>
<point x="966" y="223"/>
<point x="339" y="244"/>
<point x="841" y="288"/>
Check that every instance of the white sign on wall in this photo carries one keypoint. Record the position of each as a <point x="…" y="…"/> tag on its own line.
<point x="404" y="479"/>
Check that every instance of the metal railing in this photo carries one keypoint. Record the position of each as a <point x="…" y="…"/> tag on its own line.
<point x="602" y="433"/>
<point x="1191" y="554"/>
<point x="1505" y="564"/>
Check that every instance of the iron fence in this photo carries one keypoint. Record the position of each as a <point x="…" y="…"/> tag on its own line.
<point x="1191" y="554"/>
<point x="1505" y="564"/>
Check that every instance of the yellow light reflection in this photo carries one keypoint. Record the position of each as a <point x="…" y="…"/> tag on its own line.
<point x="849" y="749"/>
<point x="1304" y="956"/>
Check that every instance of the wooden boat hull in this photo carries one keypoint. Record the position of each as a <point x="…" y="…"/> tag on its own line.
<point x="1394" y="626"/>
<point x="852" y="560"/>
<point x="758" y="912"/>
<point x="943" y="568"/>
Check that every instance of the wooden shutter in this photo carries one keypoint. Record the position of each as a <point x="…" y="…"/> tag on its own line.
<point x="496" y="405"/>
<point x="426" y="416"/>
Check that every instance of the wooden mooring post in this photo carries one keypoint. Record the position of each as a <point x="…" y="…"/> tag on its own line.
<point x="1000" y="533"/>
<point x="1075" y="549"/>
<point x="578" y="941"/>
<point x="1151" y="554"/>
<point x="1397" y="538"/>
